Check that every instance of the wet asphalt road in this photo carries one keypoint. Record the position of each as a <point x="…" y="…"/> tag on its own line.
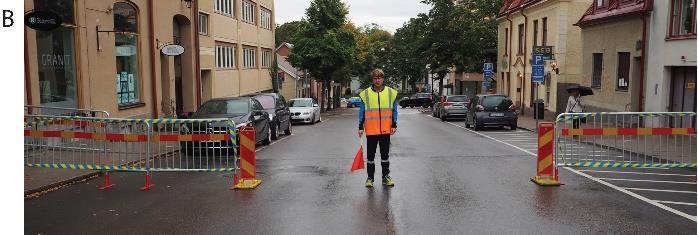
<point x="447" y="181"/>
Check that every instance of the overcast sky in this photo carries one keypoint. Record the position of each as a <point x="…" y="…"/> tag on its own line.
<point x="389" y="14"/>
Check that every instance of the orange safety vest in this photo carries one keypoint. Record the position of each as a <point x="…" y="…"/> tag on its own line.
<point x="378" y="110"/>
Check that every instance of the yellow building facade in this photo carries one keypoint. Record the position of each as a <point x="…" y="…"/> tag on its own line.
<point x="523" y="24"/>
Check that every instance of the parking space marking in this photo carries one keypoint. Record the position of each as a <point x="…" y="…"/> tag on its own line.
<point x="652" y="202"/>
<point x="651" y="181"/>
<point x="677" y="203"/>
<point x="598" y="180"/>
<point x="274" y="142"/>
<point x="638" y="173"/>
<point x="660" y="190"/>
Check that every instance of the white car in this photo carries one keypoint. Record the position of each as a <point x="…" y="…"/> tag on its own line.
<point x="304" y="110"/>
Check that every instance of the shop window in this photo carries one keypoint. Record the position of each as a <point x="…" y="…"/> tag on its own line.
<point x="56" y="57"/>
<point x="683" y="18"/>
<point x="127" y="64"/>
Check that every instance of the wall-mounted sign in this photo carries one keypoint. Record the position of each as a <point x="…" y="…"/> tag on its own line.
<point x="126" y="50"/>
<point x="546" y="51"/>
<point x="172" y="50"/>
<point x="42" y="20"/>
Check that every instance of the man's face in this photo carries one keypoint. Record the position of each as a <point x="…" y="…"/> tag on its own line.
<point x="378" y="80"/>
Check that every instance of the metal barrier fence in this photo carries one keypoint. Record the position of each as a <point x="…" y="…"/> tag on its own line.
<point x="626" y="139"/>
<point x="147" y="145"/>
<point x="60" y="111"/>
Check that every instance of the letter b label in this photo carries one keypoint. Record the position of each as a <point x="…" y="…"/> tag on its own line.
<point x="7" y="20"/>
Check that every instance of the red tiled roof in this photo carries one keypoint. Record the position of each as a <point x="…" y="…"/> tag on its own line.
<point x="613" y="11"/>
<point x="511" y="6"/>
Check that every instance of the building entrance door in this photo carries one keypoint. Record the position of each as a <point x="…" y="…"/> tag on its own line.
<point x="683" y="93"/>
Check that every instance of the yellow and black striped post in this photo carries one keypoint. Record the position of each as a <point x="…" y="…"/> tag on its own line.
<point x="248" y="161"/>
<point x="546" y="173"/>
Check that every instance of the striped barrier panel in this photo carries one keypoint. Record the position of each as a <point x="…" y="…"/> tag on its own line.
<point x="546" y="170"/>
<point x="626" y="139"/>
<point x="248" y="162"/>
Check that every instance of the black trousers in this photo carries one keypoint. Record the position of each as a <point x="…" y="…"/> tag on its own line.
<point x="372" y="141"/>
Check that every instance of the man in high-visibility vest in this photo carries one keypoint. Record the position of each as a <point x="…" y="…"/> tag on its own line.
<point x="378" y="118"/>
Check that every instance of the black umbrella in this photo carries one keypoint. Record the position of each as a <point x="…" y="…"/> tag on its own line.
<point x="583" y="90"/>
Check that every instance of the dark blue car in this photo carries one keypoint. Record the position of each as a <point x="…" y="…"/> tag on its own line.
<point x="353" y="102"/>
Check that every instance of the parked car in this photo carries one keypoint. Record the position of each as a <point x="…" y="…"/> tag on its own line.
<point x="452" y="106"/>
<point x="489" y="110"/>
<point x="304" y="110"/>
<point x="417" y="100"/>
<point x="245" y="111"/>
<point x="354" y="102"/>
<point x="279" y="113"/>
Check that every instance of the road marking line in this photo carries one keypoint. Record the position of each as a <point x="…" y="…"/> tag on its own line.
<point x="659" y="190"/>
<point x="652" y="202"/>
<point x="677" y="203"/>
<point x="672" y="210"/>
<point x="274" y="142"/>
<point x="638" y="173"/>
<point x="652" y="181"/>
<point x="486" y="136"/>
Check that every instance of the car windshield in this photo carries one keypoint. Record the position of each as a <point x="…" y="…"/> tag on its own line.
<point x="457" y="98"/>
<point x="266" y="101"/>
<point x="496" y="101"/>
<point x="224" y="107"/>
<point x="300" y="103"/>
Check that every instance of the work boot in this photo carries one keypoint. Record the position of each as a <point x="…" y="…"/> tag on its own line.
<point x="369" y="183"/>
<point x="388" y="181"/>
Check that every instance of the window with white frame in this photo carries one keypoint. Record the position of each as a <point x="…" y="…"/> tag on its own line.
<point x="265" y="19"/>
<point x="248" y="12"/>
<point x="203" y="23"/>
<point x="266" y="58"/>
<point x="224" y="7"/>
<point x="249" y="57"/>
<point x="225" y="56"/>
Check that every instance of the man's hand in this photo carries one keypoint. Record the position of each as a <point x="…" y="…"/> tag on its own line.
<point x="361" y="133"/>
<point x="393" y="130"/>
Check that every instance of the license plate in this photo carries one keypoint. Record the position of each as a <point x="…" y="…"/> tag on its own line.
<point x="496" y="115"/>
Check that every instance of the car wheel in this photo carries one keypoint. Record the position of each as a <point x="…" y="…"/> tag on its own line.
<point x="289" y="130"/>
<point x="186" y="148"/>
<point x="312" y="120"/>
<point x="404" y="107"/>
<point x="476" y="125"/>
<point x="275" y="131"/>
<point x="513" y="127"/>
<point x="411" y="106"/>
<point x="443" y="117"/>
<point x="319" y="119"/>
<point x="267" y="140"/>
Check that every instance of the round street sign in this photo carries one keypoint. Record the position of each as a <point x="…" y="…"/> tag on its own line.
<point x="42" y="20"/>
<point x="172" y="50"/>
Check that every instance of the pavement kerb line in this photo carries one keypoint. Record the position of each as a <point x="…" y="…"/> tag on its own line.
<point x="272" y="143"/>
<point x="651" y="181"/>
<point x="652" y="202"/>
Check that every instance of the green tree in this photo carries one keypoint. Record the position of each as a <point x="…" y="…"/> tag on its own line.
<point x="322" y="45"/>
<point x="285" y="32"/>
<point x="405" y="52"/>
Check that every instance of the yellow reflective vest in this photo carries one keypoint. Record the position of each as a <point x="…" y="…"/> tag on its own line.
<point x="378" y="112"/>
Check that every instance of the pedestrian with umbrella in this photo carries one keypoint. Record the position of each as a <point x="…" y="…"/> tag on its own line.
<point x="574" y="102"/>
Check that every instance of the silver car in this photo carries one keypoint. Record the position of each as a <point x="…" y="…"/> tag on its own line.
<point x="304" y="110"/>
<point x="452" y="106"/>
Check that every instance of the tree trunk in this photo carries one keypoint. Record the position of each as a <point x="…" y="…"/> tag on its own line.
<point x="326" y="94"/>
<point x="441" y="85"/>
<point x="321" y="96"/>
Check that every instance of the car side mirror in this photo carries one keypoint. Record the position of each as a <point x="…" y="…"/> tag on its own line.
<point x="315" y="105"/>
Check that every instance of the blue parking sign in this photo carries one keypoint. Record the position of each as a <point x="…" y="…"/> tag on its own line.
<point x="538" y="69"/>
